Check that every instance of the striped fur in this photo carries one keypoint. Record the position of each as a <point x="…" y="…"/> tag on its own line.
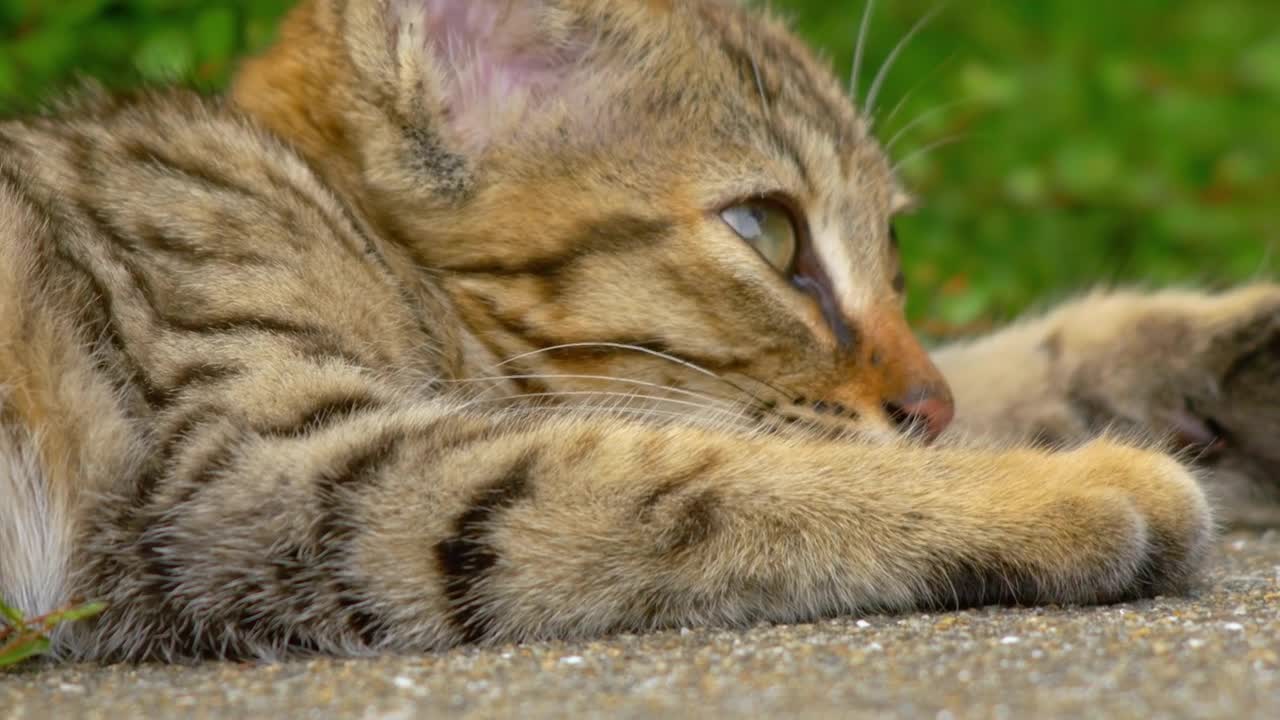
<point x="354" y="362"/>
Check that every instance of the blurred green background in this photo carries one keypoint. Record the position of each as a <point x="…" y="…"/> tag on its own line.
<point x="1128" y="141"/>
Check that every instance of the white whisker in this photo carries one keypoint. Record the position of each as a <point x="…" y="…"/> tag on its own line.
<point x="764" y="98"/>
<point x="644" y="413"/>
<point x="906" y="96"/>
<point x="620" y="397"/>
<point x="602" y="378"/>
<point x="878" y="84"/>
<point x="593" y="393"/>
<point x="855" y="77"/>
<point x="922" y="118"/>
<point x="950" y="140"/>
<point x="637" y="349"/>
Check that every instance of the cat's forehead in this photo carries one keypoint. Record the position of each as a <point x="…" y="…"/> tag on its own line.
<point x="681" y="82"/>
<point x="778" y="92"/>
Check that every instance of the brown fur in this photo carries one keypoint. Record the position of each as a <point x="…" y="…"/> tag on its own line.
<point x="393" y="352"/>
<point x="1168" y="366"/>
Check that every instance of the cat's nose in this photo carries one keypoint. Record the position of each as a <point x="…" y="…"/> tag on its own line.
<point x="926" y="410"/>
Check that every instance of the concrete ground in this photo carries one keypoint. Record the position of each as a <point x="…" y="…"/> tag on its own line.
<point x="1214" y="655"/>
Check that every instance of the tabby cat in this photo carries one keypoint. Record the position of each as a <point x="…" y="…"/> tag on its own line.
<point x="498" y="320"/>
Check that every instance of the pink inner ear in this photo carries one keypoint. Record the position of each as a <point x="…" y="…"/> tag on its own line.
<point x="498" y="55"/>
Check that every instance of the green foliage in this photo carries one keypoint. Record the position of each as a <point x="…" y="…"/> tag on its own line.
<point x="46" y="44"/>
<point x="22" y="638"/>
<point x="1099" y="142"/>
<point x="1128" y="142"/>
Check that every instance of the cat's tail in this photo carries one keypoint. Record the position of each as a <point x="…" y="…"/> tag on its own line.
<point x="62" y="430"/>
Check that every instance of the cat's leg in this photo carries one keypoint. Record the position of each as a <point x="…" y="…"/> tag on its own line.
<point x="335" y="518"/>
<point x="1198" y="370"/>
<point x="573" y="531"/>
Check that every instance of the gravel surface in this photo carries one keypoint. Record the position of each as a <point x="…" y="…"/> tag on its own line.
<point x="1214" y="655"/>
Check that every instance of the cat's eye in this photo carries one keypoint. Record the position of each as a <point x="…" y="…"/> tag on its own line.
<point x="769" y="228"/>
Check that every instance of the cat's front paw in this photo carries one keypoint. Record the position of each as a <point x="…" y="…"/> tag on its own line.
<point x="1165" y="547"/>
<point x="1103" y="523"/>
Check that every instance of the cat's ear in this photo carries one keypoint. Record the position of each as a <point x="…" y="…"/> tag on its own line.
<point x="477" y="68"/>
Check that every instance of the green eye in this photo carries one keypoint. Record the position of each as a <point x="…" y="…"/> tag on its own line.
<point x="769" y="228"/>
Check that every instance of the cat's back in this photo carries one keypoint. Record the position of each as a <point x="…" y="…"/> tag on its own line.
<point x="175" y="217"/>
<point x="151" y="250"/>
<point x="100" y="164"/>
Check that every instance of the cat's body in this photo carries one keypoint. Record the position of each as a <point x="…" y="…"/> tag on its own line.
<point x="397" y="351"/>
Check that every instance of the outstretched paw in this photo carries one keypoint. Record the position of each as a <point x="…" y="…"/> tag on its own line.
<point x="1178" y="524"/>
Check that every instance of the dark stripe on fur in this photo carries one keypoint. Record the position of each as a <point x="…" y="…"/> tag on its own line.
<point x="200" y="374"/>
<point x="312" y="341"/>
<point x="327" y="413"/>
<point x="363" y="247"/>
<point x="759" y="86"/>
<point x="600" y="348"/>
<point x="1262" y="336"/>
<point x="236" y="324"/>
<point x="610" y="236"/>
<point x="161" y="464"/>
<point x="194" y="254"/>
<point x="228" y="325"/>
<point x="163" y="576"/>
<point x="466" y="559"/>
<point x="20" y="185"/>
<point x="693" y="522"/>
<point x="106" y="335"/>
<point x="337" y="490"/>
<point x="690" y="517"/>
<point x="675" y="484"/>
<point x="185" y="167"/>
<point x="970" y="583"/>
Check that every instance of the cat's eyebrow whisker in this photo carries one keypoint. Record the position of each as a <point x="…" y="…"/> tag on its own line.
<point x="921" y="152"/>
<point x="637" y="349"/>
<point x="922" y="118"/>
<point x="1262" y="273"/>
<point x="906" y="96"/>
<point x="855" y="77"/>
<point x="878" y="84"/>
<point x="604" y="378"/>
<point x="764" y="98"/>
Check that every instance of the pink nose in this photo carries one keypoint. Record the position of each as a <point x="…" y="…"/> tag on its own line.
<point x="925" y="410"/>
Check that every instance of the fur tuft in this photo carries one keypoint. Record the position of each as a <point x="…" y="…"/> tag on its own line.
<point x="36" y="531"/>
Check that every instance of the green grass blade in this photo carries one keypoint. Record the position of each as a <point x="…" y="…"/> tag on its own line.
<point x="24" y="648"/>
<point x="75" y="614"/>
<point x="11" y="617"/>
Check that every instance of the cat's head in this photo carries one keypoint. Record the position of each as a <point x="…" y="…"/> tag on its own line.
<point x="603" y="185"/>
